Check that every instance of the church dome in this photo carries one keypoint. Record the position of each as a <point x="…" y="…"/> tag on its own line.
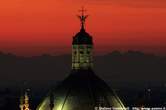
<point x="82" y="37"/>
<point x="81" y="90"/>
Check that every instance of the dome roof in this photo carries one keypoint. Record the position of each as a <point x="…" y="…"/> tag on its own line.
<point x="81" y="90"/>
<point x="82" y="37"/>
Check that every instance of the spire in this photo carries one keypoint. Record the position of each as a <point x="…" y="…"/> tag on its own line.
<point x="24" y="101"/>
<point x="82" y="18"/>
<point x="82" y="47"/>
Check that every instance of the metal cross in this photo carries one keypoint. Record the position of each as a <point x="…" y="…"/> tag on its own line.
<point x="82" y="11"/>
<point x="82" y="17"/>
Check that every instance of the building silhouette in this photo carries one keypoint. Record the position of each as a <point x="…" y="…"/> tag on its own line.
<point x="82" y="89"/>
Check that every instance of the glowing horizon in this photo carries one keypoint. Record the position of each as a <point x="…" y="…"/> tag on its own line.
<point x="35" y="27"/>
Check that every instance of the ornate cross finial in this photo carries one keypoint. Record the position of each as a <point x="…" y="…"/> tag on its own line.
<point x="82" y="11"/>
<point x="82" y="17"/>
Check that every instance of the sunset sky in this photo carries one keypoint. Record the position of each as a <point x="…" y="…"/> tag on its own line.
<point x="34" y="27"/>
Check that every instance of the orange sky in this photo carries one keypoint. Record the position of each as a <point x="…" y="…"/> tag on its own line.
<point x="33" y="27"/>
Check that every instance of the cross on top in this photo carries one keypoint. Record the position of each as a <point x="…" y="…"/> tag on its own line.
<point x="82" y="17"/>
<point x="82" y="11"/>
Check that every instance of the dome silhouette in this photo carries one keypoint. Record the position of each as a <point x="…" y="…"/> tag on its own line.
<point x="82" y="37"/>
<point x="81" y="90"/>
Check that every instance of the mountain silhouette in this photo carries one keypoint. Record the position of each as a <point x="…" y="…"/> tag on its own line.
<point x="131" y="66"/>
<point x="126" y="68"/>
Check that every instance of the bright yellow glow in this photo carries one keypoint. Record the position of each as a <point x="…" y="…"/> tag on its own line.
<point x="58" y="104"/>
<point x="44" y="104"/>
<point x="82" y="56"/>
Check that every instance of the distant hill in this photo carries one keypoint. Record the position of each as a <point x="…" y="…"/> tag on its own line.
<point x="131" y="74"/>
<point x="131" y="66"/>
